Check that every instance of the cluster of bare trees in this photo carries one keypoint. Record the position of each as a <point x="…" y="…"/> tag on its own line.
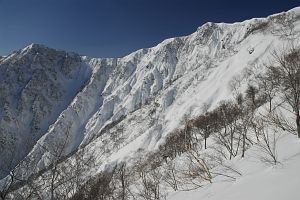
<point x="286" y="73"/>
<point x="227" y="131"/>
<point x="111" y="184"/>
<point x="234" y="126"/>
<point x="59" y="180"/>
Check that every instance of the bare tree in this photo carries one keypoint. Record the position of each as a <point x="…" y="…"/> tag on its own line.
<point x="222" y="168"/>
<point x="149" y="186"/>
<point x="206" y="125"/>
<point x="268" y="85"/>
<point x="199" y="167"/>
<point x="121" y="181"/>
<point x="228" y="113"/>
<point x="251" y="93"/>
<point x="171" y="175"/>
<point x="286" y="71"/>
<point x="267" y="144"/>
<point x="244" y="123"/>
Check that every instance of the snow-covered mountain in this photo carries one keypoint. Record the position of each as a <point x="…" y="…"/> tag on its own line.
<point x="118" y="108"/>
<point x="37" y="83"/>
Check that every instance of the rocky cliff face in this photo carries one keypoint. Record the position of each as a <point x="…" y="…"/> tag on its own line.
<point x="117" y="108"/>
<point x="36" y="84"/>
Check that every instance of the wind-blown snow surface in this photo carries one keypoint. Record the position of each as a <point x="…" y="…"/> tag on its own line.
<point x="259" y="181"/>
<point x="121" y="106"/>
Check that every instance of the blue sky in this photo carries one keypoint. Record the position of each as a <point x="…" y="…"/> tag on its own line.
<point x="114" y="28"/>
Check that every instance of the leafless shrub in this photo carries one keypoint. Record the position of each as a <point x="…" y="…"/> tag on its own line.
<point x="198" y="167"/>
<point x="222" y="168"/>
<point x="267" y="143"/>
<point x="149" y="184"/>
<point x="170" y="175"/>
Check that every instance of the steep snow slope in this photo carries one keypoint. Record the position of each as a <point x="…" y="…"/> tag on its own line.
<point x="259" y="181"/>
<point x="189" y="71"/>
<point x="128" y="105"/>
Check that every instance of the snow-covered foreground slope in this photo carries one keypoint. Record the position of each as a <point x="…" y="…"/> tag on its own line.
<point x="259" y="180"/>
<point x="121" y="108"/>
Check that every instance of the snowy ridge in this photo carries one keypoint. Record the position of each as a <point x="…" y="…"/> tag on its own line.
<point x="115" y="108"/>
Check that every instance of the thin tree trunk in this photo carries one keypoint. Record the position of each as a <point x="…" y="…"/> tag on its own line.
<point x="270" y="104"/>
<point x="205" y="137"/>
<point x="244" y="144"/>
<point x="231" y="145"/>
<point x="298" y="124"/>
<point x="123" y="182"/>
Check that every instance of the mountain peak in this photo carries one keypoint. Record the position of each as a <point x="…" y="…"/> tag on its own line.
<point x="34" y="47"/>
<point x="42" y="49"/>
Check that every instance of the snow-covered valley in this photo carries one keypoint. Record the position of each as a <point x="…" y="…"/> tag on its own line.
<point x="55" y="105"/>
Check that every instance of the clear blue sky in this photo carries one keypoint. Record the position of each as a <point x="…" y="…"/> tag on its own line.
<point x="113" y="28"/>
